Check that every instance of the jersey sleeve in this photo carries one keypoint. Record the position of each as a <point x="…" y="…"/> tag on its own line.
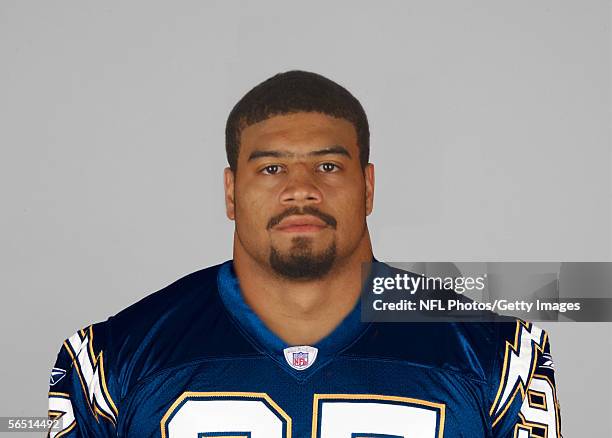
<point x="80" y="387"/>
<point x="523" y="386"/>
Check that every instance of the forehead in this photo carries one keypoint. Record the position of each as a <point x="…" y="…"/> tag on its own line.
<point x="302" y="131"/>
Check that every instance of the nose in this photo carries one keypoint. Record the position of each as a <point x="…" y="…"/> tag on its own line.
<point x="300" y="189"/>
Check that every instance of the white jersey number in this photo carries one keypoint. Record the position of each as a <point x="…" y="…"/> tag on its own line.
<point x="539" y="410"/>
<point x="256" y="415"/>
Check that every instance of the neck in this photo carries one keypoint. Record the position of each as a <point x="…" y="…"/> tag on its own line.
<point x="302" y="312"/>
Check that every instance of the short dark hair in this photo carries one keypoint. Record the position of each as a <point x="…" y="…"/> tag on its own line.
<point x="292" y="92"/>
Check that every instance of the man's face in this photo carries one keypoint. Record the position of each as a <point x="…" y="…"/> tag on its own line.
<point x="299" y="195"/>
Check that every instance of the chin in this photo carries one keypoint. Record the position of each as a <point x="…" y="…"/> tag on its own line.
<point x="303" y="263"/>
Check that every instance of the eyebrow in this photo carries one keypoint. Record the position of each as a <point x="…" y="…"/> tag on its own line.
<point x="336" y="149"/>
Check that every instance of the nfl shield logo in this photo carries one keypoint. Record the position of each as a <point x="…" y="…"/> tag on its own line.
<point x="300" y="359"/>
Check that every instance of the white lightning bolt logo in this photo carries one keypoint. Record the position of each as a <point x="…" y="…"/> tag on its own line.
<point x="519" y="363"/>
<point x="91" y="371"/>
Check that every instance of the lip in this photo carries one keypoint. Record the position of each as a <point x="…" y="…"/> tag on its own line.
<point x="300" y="224"/>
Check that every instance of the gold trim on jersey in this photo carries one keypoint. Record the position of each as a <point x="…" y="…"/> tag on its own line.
<point x="522" y="428"/>
<point x="262" y="396"/>
<point x="96" y="362"/>
<point x="520" y="385"/>
<point x="531" y="393"/>
<point x="375" y="397"/>
<point x="530" y="424"/>
<point x="55" y="414"/>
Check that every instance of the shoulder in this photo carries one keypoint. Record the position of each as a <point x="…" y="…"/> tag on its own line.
<point x="182" y="322"/>
<point x="466" y="348"/>
<point x="99" y="364"/>
<point x="172" y="303"/>
<point x="475" y="349"/>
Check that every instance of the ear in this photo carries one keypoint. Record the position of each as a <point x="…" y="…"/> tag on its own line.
<point x="228" y="186"/>
<point x="368" y="173"/>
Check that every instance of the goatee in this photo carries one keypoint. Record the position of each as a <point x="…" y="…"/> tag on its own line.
<point x="301" y="263"/>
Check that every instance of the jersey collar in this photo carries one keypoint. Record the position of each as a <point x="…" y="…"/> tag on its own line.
<point x="266" y="341"/>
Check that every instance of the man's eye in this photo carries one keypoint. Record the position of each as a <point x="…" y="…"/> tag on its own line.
<point x="328" y="167"/>
<point x="272" y="169"/>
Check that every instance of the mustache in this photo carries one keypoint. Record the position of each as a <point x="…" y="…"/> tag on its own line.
<point x="296" y="211"/>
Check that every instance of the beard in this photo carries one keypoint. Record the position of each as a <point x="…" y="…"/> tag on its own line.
<point x="301" y="263"/>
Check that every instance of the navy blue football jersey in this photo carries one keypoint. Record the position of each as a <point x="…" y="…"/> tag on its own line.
<point x="194" y="361"/>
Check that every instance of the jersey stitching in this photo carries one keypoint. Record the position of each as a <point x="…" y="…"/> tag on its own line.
<point x="193" y="362"/>
<point x="408" y="362"/>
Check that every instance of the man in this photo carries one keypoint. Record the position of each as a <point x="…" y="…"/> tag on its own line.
<point x="270" y="344"/>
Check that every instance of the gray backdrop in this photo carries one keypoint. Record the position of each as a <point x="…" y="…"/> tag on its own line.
<point x="490" y="135"/>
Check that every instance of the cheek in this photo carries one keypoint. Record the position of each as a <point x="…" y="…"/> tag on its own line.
<point x="251" y="207"/>
<point x="350" y="196"/>
<point x="349" y="209"/>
